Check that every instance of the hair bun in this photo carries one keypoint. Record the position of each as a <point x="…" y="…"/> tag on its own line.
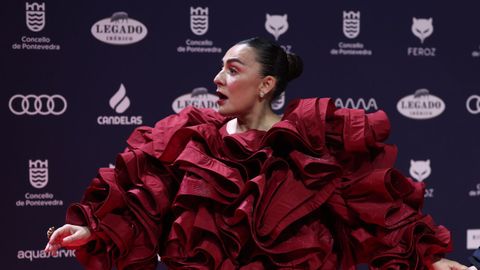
<point x="295" y="66"/>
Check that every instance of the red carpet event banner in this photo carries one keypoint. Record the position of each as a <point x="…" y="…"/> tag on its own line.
<point x="79" y="77"/>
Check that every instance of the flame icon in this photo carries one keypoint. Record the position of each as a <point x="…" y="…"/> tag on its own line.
<point x="119" y="101"/>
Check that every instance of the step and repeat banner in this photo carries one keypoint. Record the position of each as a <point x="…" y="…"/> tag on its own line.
<point x="78" y="77"/>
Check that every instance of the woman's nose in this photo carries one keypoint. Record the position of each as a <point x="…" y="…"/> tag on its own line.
<point x="218" y="80"/>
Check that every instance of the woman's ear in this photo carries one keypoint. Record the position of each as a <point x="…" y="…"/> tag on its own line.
<point x="267" y="85"/>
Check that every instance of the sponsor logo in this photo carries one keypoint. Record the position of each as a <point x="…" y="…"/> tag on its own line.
<point x="35" y="19"/>
<point x="278" y="102"/>
<point x="421" y="105"/>
<point x="35" y="43"/>
<point x="473" y="104"/>
<point x="199" y="26"/>
<point x="371" y="104"/>
<point x="198" y="98"/>
<point x="38" y="173"/>
<point x="421" y="170"/>
<point x="38" y="178"/>
<point x="351" y="24"/>
<point x="198" y="46"/>
<point x="41" y="254"/>
<point x="37" y="104"/>
<point x="38" y="200"/>
<point x="35" y="16"/>
<point x="199" y="20"/>
<point x="345" y="48"/>
<point x="276" y="25"/>
<point x="476" y="52"/>
<point x="421" y="51"/>
<point x="422" y="28"/>
<point x="119" y="102"/>
<point x="351" y="30"/>
<point x="473" y="238"/>
<point x="475" y="192"/>
<point x="119" y="29"/>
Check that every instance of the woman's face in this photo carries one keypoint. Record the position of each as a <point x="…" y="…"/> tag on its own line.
<point x="239" y="81"/>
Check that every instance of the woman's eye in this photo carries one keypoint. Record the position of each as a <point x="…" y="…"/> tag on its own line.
<point x="232" y="70"/>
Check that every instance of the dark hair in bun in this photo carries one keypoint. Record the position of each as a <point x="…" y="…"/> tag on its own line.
<point x="275" y="62"/>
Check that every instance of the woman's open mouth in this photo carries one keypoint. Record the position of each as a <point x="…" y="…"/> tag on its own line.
<point x="221" y="98"/>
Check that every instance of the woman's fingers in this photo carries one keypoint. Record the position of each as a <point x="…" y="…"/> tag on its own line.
<point x="52" y="248"/>
<point x="71" y="238"/>
<point x="57" y="235"/>
<point x="54" y="243"/>
<point x="80" y="236"/>
<point x="68" y="236"/>
<point x="446" y="264"/>
<point x="457" y="266"/>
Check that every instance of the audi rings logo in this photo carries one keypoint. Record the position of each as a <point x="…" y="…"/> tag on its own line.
<point x="473" y="104"/>
<point x="33" y="104"/>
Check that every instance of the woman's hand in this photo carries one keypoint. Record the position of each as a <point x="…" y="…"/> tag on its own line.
<point x="70" y="236"/>
<point x="445" y="264"/>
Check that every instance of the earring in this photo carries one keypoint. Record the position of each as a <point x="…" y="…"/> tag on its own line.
<point x="262" y="94"/>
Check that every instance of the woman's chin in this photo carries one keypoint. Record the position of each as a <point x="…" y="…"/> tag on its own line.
<point x="222" y="111"/>
<point x="225" y="111"/>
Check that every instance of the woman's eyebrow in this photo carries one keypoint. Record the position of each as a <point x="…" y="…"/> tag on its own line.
<point x="236" y="60"/>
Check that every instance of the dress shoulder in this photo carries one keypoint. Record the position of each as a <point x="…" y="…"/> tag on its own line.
<point x="378" y="210"/>
<point x="154" y="140"/>
<point x="128" y="207"/>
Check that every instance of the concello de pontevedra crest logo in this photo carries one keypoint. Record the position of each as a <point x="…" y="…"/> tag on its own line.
<point x="38" y="173"/>
<point x="199" y="20"/>
<point x="351" y="24"/>
<point x="35" y="16"/>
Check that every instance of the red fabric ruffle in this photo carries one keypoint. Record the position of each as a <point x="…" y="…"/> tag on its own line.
<point x="317" y="191"/>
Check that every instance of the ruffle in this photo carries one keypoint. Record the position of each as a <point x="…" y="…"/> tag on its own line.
<point x="317" y="191"/>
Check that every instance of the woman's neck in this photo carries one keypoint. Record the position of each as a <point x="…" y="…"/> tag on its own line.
<point x="262" y="119"/>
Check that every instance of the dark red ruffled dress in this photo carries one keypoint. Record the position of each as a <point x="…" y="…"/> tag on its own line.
<point x="316" y="191"/>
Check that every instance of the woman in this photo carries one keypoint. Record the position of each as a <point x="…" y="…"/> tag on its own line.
<point x="247" y="189"/>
